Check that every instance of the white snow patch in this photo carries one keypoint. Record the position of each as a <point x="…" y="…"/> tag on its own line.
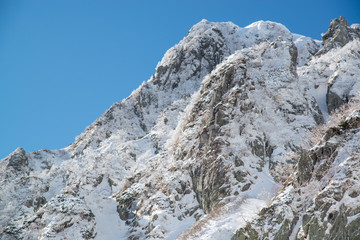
<point x="108" y="223"/>
<point x="235" y="215"/>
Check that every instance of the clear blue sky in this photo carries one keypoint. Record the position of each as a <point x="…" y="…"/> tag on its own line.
<point x="64" y="62"/>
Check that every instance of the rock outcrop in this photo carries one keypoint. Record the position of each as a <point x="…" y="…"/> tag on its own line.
<point x="334" y="67"/>
<point x="339" y="34"/>
<point x="17" y="160"/>
<point x="340" y="88"/>
<point x="321" y="200"/>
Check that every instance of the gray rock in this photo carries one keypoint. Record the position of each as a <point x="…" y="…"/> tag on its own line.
<point x="209" y="183"/>
<point x="338" y="34"/>
<point x="17" y="160"/>
<point x="333" y="101"/>
<point x="127" y="205"/>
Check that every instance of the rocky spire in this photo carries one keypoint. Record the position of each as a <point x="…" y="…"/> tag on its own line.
<point x="17" y="160"/>
<point x="339" y="34"/>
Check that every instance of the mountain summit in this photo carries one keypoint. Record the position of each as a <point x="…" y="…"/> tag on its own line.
<point x="217" y="144"/>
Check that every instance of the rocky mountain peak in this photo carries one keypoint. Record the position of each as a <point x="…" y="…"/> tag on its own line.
<point x="17" y="160"/>
<point x="201" y="26"/>
<point x="339" y="34"/>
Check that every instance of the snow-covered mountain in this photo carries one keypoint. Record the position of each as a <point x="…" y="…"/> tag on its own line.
<point x="216" y="145"/>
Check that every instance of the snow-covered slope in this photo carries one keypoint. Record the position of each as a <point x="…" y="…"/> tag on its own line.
<point x="205" y="143"/>
<point x="321" y="200"/>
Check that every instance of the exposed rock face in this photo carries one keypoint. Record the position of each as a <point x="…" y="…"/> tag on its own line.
<point x="339" y="34"/>
<point x="235" y="88"/>
<point x="59" y="214"/>
<point x="17" y="160"/>
<point x="206" y="141"/>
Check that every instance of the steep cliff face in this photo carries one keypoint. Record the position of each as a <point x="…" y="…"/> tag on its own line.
<point x="233" y="118"/>
<point x="203" y="145"/>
